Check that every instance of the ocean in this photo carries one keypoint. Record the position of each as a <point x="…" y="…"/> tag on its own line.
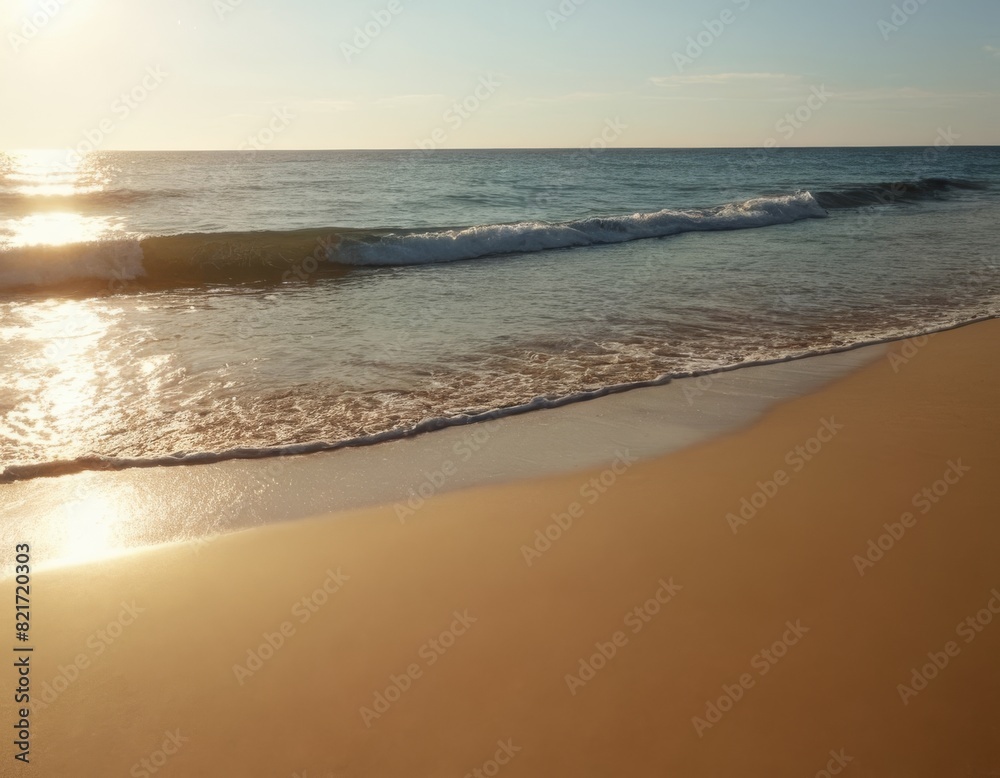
<point x="182" y="307"/>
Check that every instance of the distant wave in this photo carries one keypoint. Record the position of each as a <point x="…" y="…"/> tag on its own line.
<point x="18" y="202"/>
<point x="177" y="261"/>
<point x="893" y="193"/>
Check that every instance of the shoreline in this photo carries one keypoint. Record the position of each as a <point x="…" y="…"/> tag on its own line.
<point x="84" y="516"/>
<point x="18" y="473"/>
<point x="704" y="614"/>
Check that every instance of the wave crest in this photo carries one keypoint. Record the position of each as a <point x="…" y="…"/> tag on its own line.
<point x="524" y="237"/>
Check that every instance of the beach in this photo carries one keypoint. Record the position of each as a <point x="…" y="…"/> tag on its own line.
<point x="814" y="593"/>
<point x="403" y="391"/>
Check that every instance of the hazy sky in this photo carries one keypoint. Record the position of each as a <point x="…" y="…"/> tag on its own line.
<point x="295" y="74"/>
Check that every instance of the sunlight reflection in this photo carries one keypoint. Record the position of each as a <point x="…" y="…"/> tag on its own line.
<point x="53" y="189"/>
<point x="55" y="229"/>
<point x="90" y="527"/>
<point x="53" y="175"/>
<point x="67" y="336"/>
<point x="39" y="165"/>
<point x="71" y="332"/>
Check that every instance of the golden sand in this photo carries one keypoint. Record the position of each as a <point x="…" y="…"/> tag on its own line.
<point x="723" y="611"/>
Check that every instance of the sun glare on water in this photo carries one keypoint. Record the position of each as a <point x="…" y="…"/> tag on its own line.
<point x="59" y="402"/>
<point x="57" y="229"/>
<point x="42" y="188"/>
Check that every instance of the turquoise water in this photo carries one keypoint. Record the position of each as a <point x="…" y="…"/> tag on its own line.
<point x="186" y="305"/>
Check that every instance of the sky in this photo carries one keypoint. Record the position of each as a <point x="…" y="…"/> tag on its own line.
<point x="322" y="74"/>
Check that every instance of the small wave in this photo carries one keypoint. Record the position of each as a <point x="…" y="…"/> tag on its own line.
<point x="50" y="469"/>
<point x="893" y="193"/>
<point x="25" y="472"/>
<point x="30" y="201"/>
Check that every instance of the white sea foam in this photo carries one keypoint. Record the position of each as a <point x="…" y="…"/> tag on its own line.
<point x="494" y="239"/>
<point x="21" y="472"/>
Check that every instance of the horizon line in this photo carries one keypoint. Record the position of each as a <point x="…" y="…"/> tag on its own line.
<point x="512" y="148"/>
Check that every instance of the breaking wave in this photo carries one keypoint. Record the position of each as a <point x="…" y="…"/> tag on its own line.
<point x="280" y="256"/>
<point x="178" y="261"/>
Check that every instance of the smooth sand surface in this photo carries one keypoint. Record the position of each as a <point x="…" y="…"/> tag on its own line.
<point x="838" y="644"/>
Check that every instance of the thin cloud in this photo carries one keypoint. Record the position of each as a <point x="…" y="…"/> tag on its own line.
<point x="993" y="51"/>
<point x="716" y="79"/>
<point x="905" y="93"/>
<point x="783" y="87"/>
<point x="333" y="105"/>
<point x="571" y="97"/>
<point x="409" y="99"/>
<point x="324" y="104"/>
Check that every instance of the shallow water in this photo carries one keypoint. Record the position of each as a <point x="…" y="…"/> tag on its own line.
<point x="277" y="339"/>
